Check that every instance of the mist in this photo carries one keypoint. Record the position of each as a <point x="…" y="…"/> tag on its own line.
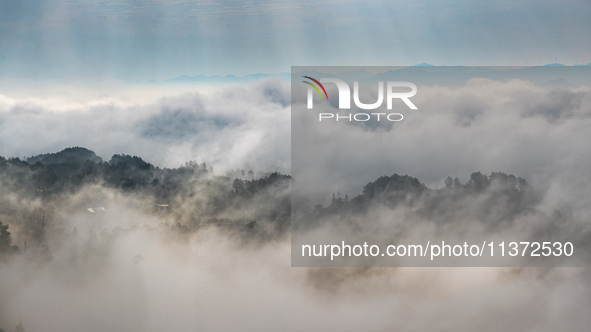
<point x="186" y="238"/>
<point x="228" y="126"/>
<point x="131" y="270"/>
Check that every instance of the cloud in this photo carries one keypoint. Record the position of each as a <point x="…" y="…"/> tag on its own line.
<point x="514" y="127"/>
<point x="131" y="269"/>
<point x="127" y="269"/>
<point x="206" y="280"/>
<point x="489" y="126"/>
<point x="228" y="126"/>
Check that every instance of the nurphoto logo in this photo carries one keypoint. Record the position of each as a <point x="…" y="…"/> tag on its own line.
<point x="344" y="92"/>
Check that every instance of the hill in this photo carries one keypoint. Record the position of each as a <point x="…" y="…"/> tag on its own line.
<point x="66" y="156"/>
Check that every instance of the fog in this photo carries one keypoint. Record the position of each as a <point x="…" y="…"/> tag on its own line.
<point x="514" y="127"/>
<point x="150" y="280"/>
<point x="137" y="274"/>
<point x="217" y="257"/>
<point x="228" y="126"/>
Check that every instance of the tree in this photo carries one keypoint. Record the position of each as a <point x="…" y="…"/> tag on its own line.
<point x="478" y="181"/>
<point x="6" y="240"/>
<point x="238" y="186"/>
<point x="449" y="183"/>
<point x="457" y="183"/>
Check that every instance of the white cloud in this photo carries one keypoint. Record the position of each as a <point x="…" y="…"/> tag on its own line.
<point x="226" y="126"/>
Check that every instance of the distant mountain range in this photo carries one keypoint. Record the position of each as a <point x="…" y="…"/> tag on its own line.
<point x="219" y="79"/>
<point x="553" y="75"/>
<point x="358" y="74"/>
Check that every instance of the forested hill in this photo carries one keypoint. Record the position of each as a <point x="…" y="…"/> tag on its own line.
<point x="72" y="168"/>
<point x="493" y="199"/>
<point x="68" y="155"/>
<point x="41" y="192"/>
<point x="39" y="195"/>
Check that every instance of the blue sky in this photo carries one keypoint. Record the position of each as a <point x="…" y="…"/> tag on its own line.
<point x="145" y="40"/>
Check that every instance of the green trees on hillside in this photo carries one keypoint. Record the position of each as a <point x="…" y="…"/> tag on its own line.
<point x="6" y="247"/>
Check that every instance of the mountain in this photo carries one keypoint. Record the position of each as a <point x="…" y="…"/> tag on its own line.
<point x="357" y="75"/>
<point x="555" y="75"/>
<point x="221" y="79"/>
<point x="66" y="156"/>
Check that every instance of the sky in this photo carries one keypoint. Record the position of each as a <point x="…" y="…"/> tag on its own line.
<point x="155" y="40"/>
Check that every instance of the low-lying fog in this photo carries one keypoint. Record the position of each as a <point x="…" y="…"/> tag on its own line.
<point x="194" y="248"/>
